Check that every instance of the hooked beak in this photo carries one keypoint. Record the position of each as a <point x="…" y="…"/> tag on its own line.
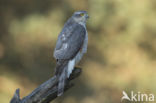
<point x="87" y="16"/>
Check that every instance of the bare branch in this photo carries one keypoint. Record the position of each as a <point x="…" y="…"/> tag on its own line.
<point x="46" y="92"/>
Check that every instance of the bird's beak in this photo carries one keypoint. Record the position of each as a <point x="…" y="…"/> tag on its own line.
<point x="87" y="16"/>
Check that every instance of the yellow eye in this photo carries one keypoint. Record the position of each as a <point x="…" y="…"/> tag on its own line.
<point x="82" y="14"/>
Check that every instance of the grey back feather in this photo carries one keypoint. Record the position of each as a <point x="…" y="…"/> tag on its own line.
<point x="73" y="35"/>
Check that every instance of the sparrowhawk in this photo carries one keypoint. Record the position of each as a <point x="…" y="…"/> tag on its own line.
<point x="71" y="45"/>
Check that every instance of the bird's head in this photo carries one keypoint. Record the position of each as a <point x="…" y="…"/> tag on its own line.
<point x="80" y="16"/>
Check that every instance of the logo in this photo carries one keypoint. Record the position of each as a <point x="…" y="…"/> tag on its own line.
<point x="140" y="97"/>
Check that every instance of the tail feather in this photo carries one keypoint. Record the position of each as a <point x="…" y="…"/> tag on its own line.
<point x="61" y="73"/>
<point x="61" y="83"/>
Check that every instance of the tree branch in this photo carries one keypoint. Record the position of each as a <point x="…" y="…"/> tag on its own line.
<point x="46" y="92"/>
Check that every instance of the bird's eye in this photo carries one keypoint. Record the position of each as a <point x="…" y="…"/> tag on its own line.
<point x="82" y="14"/>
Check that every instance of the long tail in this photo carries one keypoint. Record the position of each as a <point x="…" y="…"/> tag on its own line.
<point x="61" y="73"/>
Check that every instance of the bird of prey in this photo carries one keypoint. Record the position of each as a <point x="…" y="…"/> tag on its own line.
<point x="71" y="45"/>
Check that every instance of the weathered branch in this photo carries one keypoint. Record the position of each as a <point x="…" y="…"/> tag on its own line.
<point x="46" y="92"/>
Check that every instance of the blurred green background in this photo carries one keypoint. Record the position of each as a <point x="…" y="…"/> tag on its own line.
<point x="121" y="52"/>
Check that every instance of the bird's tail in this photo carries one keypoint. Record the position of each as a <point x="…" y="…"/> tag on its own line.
<point x="61" y="73"/>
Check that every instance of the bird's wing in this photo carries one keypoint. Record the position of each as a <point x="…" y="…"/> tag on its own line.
<point x="69" y="41"/>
